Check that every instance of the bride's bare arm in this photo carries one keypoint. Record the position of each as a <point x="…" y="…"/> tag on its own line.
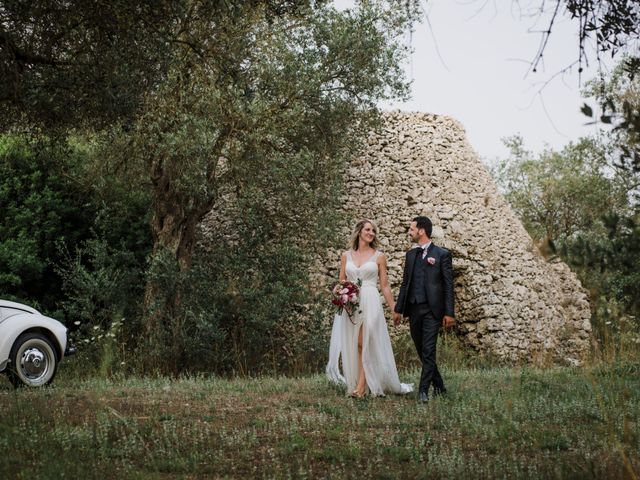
<point x="343" y="265"/>
<point x="384" y="282"/>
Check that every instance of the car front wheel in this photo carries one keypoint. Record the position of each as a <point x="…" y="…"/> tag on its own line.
<point x="33" y="361"/>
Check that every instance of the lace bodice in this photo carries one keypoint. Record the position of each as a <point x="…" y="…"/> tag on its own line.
<point x="367" y="272"/>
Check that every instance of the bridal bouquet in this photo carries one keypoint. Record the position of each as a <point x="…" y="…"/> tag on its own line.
<point x="346" y="296"/>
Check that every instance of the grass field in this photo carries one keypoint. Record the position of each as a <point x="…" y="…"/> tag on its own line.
<point x="494" y="423"/>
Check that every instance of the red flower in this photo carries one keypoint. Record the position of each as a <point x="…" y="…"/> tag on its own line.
<point x="346" y="297"/>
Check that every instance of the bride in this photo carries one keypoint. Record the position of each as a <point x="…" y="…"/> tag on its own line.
<point x="362" y="339"/>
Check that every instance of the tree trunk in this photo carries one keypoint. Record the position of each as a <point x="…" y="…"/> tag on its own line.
<point x="174" y="230"/>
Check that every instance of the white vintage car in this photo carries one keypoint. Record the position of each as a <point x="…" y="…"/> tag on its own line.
<point x="31" y="345"/>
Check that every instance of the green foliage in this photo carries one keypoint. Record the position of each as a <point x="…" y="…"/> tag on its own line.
<point x="246" y="123"/>
<point x="256" y="128"/>
<point x="239" y="308"/>
<point x="578" y="205"/>
<point x="103" y="276"/>
<point x="76" y="64"/>
<point x="102" y="285"/>
<point x="559" y="195"/>
<point x="615" y="24"/>
<point x="288" y="92"/>
<point x="609" y="261"/>
<point x="608" y="265"/>
<point x="73" y="242"/>
<point x="252" y="117"/>
<point x="65" y="66"/>
<point x="619" y="97"/>
<point x="42" y="205"/>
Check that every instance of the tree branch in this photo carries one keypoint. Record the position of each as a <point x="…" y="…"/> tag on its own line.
<point x="21" y="57"/>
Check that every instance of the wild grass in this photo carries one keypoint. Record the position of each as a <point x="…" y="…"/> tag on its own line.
<point x="502" y="422"/>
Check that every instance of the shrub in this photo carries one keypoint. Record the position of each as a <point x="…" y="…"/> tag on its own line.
<point x="41" y="204"/>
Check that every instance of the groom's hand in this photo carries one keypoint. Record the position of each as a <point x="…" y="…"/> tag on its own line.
<point x="448" y="321"/>
<point x="397" y="318"/>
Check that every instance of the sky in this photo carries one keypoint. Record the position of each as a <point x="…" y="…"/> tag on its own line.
<point x="471" y="61"/>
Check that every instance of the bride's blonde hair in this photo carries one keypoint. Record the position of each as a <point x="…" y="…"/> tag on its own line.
<point x="355" y="236"/>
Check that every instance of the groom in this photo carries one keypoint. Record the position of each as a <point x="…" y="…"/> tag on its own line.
<point x="426" y="297"/>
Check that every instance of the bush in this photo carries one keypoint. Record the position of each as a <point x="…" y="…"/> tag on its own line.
<point x="73" y="240"/>
<point x="42" y="204"/>
<point x="239" y="312"/>
<point x="578" y="206"/>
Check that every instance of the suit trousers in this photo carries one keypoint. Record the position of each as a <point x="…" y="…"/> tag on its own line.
<point x="424" y="332"/>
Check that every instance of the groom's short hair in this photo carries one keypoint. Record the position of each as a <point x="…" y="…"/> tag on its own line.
<point x="424" y="223"/>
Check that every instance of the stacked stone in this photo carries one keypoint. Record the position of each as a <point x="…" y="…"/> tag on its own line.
<point x="510" y="301"/>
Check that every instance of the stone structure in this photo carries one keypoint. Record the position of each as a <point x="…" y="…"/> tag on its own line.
<point x="509" y="300"/>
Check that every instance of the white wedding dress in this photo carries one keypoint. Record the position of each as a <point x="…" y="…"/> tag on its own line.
<point x="377" y="355"/>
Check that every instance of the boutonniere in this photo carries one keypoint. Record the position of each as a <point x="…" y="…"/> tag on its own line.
<point x="431" y="260"/>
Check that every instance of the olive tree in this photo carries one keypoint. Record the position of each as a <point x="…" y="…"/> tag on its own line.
<point x="269" y="107"/>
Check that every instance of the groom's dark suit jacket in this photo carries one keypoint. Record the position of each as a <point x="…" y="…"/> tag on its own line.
<point x="438" y="285"/>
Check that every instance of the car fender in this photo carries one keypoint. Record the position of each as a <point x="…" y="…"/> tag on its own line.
<point x="11" y="328"/>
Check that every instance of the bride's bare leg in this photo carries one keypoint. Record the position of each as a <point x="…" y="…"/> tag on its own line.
<point x="362" y="381"/>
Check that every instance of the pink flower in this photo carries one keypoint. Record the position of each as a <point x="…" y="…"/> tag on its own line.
<point x="431" y="260"/>
<point x="345" y="297"/>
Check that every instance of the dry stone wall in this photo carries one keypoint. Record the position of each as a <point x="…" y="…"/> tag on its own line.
<point x="509" y="300"/>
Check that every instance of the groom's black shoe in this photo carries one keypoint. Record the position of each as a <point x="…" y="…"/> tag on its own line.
<point x="423" y="397"/>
